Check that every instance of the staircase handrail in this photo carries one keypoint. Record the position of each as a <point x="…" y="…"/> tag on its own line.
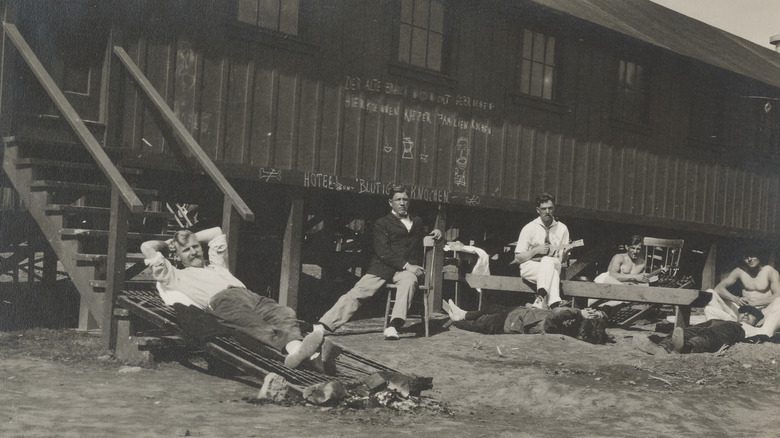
<point x="87" y="139"/>
<point x="183" y="135"/>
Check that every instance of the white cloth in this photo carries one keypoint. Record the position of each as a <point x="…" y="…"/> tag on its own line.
<point x="199" y="285"/>
<point x="171" y="297"/>
<point x="546" y="273"/>
<point x="482" y="266"/>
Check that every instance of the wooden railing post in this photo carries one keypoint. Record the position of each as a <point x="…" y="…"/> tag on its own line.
<point x="290" y="278"/>
<point x="231" y="223"/>
<point x="437" y="265"/>
<point x="111" y="92"/>
<point x="115" y="265"/>
<point x="7" y="71"/>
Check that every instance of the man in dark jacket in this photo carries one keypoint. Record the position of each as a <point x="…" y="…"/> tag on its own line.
<point x="397" y="258"/>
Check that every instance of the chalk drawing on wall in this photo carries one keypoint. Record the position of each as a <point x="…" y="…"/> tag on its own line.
<point x="472" y="200"/>
<point x="387" y="148"/>
<point x="424" y="153"/>
<point x="408" y="152"/>
<point x="269" y="174"/>
<point x="461" y="162"/>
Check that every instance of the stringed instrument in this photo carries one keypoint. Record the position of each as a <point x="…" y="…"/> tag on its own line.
<point x="560" y="249"/>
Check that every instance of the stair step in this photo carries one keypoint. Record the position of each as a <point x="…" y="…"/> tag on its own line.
<point x="55" y="209"/>
<point x="95" y="258"/>
<point x="41" y="185"/>
<point x="40" y="162"/>
<point x="72" y="233"/>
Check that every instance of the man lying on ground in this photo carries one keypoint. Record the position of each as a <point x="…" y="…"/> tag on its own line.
<point x="587" y="324"/>
<point x="211" y="287"/>
<point x="760" y="286"/>
<point x="710" y="336"/>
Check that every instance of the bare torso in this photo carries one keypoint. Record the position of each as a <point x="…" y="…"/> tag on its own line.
<point x="628" y="266"/>
<point x="758" y="285"/>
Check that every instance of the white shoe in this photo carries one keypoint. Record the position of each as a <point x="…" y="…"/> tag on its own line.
<point x="391" y="334"/>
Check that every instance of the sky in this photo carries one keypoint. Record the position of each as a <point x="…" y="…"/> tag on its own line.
<point x="754" y="20"/>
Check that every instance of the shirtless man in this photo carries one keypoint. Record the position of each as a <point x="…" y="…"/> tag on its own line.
<point x="760" y="286"/>
<point x="626" y="268"/>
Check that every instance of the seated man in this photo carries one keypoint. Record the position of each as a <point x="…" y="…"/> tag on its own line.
<point x="760" y="286"/>
<point x="626" y="268"/>
<point x="210" y="286"/>
<point x="587" y="325"/>
<point x="539" y="251"/>
<point x="397" y="257"/>
<point x="710" y="336"/>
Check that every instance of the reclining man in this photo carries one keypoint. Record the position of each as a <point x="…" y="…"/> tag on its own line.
<point x="587" y="324"/>
<point x="210" y="286"/>
<point x="710" y="336"/>
<point x="397" y="257"/>
<point x="539" y="251"/>
<point x="760" y="287"/>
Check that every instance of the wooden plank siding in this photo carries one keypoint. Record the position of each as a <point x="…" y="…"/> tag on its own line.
<point x="254" y="105"/>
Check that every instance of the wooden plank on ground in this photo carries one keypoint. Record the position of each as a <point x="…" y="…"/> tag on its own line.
<point x="661" y="295"/>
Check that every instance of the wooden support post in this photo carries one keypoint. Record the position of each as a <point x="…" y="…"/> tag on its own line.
<point x="7" y="72"/>
<point x="115" y="266"/>
<point x="231" y="224"/>
<point x="290" y="278"/>
<point x="437" y="265"/>
<point x="708" y="274"/>
<point x="30" y="262"/>
<point x="49" y="277"/>
<point x="111" y="96"/>
<point x="86" y="318"/>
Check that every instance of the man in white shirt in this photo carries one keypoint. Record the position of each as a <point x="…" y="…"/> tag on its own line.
<point x="539" y="251"/>
<point x="211" y="286"/>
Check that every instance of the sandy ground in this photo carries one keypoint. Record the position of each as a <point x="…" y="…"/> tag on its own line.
<point x="542" y="385"/>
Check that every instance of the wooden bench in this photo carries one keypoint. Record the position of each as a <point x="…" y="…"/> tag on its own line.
<point x="681" y="299"/>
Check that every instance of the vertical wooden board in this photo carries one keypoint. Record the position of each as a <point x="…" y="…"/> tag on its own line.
<point x="581" y="182"/>
<point x="477" y="160"/>
<point x="496" y="160"/>
<point x="186" y="83"/>
<point x="660" y="189"/>
<point x="679" y="189"/>
<point x="566" y="171"/>
<point x="765" y="205"/>
<point x="729" y="201"/>
<point x="594" y="179"/>
<point x="739" y="197"/>
<point x="710" y="198"/>
<point x="629" y="169"/>
<point x="371" y="139"/>
<point x="445" y="156"/>
<point x="461" y="160"/>
<point x="552" y="165"/>
<point x="309" y="124"/>
<point x="261" y="139"/>
<point x="720" y="199"/>
<point x="406" y="148"/>
<point x="352" y="132"/>
<point x="642" y="182"/>
<point x="617" y="178"/>
<point x="131" y="114"/>
<point x="427" y="153"/>
<point x="390" y="138"/>
<point x="332" y="110"/>
<point x="286" y="113"/>
<point x="212" y="99"/>
<point x="157" y="56"/>
<point x="774" y="204"/>
<point x="524" y="182"/>
<point x="237" y="105"/>
<point x="752" y="206"/>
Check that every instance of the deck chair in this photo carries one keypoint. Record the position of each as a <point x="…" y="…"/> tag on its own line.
<point x="253" y="358"/>
<point x="424" y="288"/>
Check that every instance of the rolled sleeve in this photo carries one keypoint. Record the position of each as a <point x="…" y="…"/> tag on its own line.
<point x="218" y="251"/>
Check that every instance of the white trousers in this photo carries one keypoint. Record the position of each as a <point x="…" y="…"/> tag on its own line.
<point x="718" y="308"/>
<point x="546" y="274"/>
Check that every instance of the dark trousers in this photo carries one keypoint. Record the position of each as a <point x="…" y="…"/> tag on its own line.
<point x="259" y="317"/>
<point x="489" y="321"/>
<point x="709" y="336"/>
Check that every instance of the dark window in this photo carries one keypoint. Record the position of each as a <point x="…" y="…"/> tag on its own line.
<point x="632" y="93"/>
<point x="276" y="15"/>
<point x="421" y="37"/>
<point x="537" y="66"/>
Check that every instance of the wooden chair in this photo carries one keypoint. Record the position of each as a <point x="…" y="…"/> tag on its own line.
<point x="426" y="286"/>
<point x="663" y="253"/>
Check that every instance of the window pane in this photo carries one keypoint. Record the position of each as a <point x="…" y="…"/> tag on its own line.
<point x="630" y="75"/>
<point x="421" y="8"/>
<point x="288" y="22"/>
<point x="528" y="39"/>
<point x="538" y="47"/>
<point x="639" y="78"/>
<point x="437" y="16"/>
<point x="247" y="11"/>
<point x="406" y="11"/>
<point x="537" y="76"/>
<point x="549" y="58"/>
<point x="434" y="51"/>
<point x="419" y="44"/>
<point x="269" y="14"/>
<point x="548" y="83"/>
<point x="621" y="74"/>
<point x="404" y="39"/>
<point x="525" y="77"/>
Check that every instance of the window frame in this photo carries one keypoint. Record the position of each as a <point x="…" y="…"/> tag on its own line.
<point x="279" y="18"/>
<point x="623" y="111"/>
<point x="555" y="67"/>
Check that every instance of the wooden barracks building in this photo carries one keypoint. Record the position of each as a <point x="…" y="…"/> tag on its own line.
<point x="286" y="120"/>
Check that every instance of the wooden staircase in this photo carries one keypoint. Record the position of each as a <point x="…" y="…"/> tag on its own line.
<point x="70" y="201"/>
